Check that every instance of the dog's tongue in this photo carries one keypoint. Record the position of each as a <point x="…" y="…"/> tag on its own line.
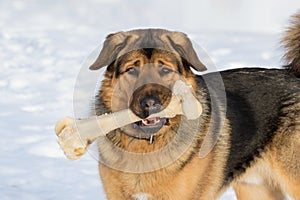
<point x="150" y="121"/>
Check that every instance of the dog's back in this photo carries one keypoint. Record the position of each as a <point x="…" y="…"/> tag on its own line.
<point x="263" y="108"/>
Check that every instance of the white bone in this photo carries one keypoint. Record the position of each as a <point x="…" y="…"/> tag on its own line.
<point x="76" y="135"/>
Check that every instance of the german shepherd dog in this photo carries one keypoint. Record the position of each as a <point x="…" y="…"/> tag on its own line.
<point x="251" y="122"/>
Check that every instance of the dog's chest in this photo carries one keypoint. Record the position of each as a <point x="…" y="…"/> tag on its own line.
<point x="141" y="196"/>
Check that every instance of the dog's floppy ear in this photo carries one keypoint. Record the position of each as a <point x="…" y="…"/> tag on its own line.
<point x="182" y="44"/>
<point x="113" y="44"/>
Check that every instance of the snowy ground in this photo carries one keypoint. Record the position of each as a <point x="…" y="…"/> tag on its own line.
<point x="41" y="56"/>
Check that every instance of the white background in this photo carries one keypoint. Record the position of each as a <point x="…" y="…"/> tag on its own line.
<point x="43" y="45"/>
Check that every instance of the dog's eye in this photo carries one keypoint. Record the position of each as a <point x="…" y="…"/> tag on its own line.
<point x="165" y="71"/>
<point x="132" y="71"/>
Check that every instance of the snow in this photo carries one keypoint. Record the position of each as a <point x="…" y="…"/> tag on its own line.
<point x="43" y="48"/>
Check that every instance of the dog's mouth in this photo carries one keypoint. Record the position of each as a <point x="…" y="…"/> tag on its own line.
<point x="147" y="100"/>
<point x="150" y="125"/>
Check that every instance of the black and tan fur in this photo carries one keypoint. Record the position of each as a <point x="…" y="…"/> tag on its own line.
<point x="258" y="146"/>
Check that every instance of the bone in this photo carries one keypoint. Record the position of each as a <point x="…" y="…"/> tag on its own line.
<point x="75" y="135"/>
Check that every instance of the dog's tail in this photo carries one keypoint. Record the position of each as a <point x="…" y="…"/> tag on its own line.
<point x="291" y="42"/>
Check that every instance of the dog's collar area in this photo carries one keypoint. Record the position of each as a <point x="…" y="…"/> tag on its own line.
<point x="148" y="128"/>
<point x="151" y="139"/>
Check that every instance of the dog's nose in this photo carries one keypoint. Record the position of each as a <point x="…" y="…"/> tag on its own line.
<point x="150" y="104"/>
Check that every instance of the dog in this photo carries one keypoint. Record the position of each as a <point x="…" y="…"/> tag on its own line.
<point x="250" y="124"/>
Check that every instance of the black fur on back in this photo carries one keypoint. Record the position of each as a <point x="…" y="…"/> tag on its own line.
<point x="254" y="100"/>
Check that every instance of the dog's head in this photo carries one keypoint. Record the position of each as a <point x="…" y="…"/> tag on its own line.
<point x="142" y="66"/>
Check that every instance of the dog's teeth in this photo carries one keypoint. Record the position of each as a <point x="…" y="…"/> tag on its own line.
<point x="145" y="122"/>
<point x="150" y="121"/>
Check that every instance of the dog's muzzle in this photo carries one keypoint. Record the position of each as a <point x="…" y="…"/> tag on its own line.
<point x="147" y="100"/>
